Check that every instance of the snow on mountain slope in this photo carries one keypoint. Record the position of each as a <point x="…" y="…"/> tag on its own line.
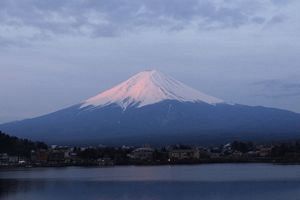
<point x="148" y="87"/>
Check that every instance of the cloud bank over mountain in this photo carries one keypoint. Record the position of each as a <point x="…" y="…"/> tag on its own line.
<point x="33" y="19"/>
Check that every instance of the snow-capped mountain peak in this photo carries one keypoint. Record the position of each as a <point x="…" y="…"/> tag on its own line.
<point x="148" y="87"/>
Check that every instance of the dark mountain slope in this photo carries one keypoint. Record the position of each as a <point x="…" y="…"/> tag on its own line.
<point x="165" y="122"/>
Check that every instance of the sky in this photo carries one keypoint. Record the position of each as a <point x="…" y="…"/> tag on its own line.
<point x="55" y="53"/>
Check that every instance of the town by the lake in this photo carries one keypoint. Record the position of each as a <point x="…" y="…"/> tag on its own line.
<point x="23" y="153"/>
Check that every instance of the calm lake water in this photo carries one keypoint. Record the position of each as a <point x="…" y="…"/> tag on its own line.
<point x="205" y="182"/>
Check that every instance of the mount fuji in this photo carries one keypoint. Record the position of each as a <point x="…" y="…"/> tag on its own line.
<point x="154" y="108"/>
<point x="146" y="88"/>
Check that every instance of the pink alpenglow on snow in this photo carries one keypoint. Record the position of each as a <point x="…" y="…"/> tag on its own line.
<point x="146" y="88"/>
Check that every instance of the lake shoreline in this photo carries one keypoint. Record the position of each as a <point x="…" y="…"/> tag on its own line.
<point x="272" y="162"/>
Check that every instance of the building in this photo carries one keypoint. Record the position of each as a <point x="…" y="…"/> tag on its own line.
<point x="39" y="156"/>
<point x="143" y="154"/>
<point x="4" y="159"/>
<point x="264" y="151"/>
<point x="184" y="154"/>
<point x="13" y="159"/>
<point x="56" y="157"/>
<point x="106" y="161"/>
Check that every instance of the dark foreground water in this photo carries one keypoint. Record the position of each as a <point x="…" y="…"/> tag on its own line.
<point x="205" y="182"/>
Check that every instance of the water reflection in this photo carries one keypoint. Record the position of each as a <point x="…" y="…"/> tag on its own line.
<point x="15" y="190"/>
<point x="31" y="185"/>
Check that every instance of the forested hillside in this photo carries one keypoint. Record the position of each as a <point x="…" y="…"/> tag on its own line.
<point x="18" y="147"/>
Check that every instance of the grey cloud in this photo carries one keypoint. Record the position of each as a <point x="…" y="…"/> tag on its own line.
<point x="277" y="88"/>
<point x="110" y="18"/>
<point x="276" y="19"/>
<point x="281" y="2"/>
<point x="258" y="20"/>
<point x="4" y="42"/>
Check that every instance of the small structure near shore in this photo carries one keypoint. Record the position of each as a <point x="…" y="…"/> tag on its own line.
<point x="184" y="153"/>
<point x="142" y="154"/>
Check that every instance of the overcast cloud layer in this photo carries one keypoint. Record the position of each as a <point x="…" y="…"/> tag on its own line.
<point x="56" y="53"/>
<point x="36" y="19"/>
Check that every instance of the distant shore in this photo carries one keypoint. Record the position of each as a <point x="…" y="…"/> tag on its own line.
<point x="22" y="153"/>
<point x="200" y="162"/>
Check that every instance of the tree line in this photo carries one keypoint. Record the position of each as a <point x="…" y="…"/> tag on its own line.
<point x="15" y="146"/>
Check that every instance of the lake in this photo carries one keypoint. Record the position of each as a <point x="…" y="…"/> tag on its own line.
<point x="205" y="182"/>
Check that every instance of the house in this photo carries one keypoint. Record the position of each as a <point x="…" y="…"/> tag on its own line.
<point x="40" y="156"/>
<point x="264" y="151"/>
<point x="184" y="154"/>
<point x="106" y="161"/>
<point x="56" y="156"/>
<point x="13" y="159"/>
<point x="4" y="159"/>
<point x="143" y="154"/>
